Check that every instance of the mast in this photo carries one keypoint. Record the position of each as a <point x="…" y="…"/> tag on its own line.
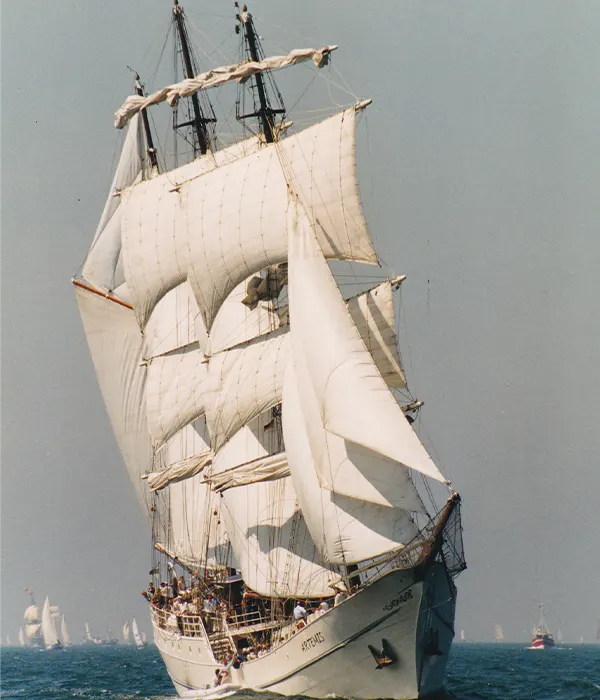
<point x="199" y="121"/>
<point x="263" y="109"/>
<point x="149" y="142"/>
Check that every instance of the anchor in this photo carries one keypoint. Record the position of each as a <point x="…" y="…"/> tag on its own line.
<point x="384" y="657"/>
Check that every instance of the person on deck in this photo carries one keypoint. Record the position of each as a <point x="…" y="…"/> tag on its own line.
<point x="300" y="615"/>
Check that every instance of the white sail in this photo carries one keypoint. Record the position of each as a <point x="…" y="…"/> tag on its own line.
<point x="175" y="391"/>
<point x="116" y="347"/>
<point x="346" y="530"/>
<point x="126" y="632"/>
<point x="238" y="72"/>
<point x="48" y="627"/>
<point x="64" y="632"/>
<point x="137" y="637"/>
<point x="352" y="397"/>
<point x="373" y="314"/>
<point x="271" y="543"/>
<point x="32" y="614"/>
<point x="103" y="267"/>
<point x="217" y="228"/>
<point x="32" y="630"/>
<point x="88" y="635"/>
<point x="236" y="323"/>
<point x="174" y="323"/>
<point x="198" y="538"/>
<point x="21" y="637"/>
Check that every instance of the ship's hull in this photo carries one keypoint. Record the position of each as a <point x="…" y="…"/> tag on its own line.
<point x="543" y="643"/>
<point x="412" y="610"/>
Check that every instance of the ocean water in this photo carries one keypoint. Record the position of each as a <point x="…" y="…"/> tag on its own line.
<point x="475" y="672"/>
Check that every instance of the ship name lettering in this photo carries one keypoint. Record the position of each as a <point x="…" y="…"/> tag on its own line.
<point x="402" y="598"/>
<point x="313" y="641"/>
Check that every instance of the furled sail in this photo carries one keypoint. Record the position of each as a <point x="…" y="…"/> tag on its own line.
<point x="272" y="546"/>
<point x="216" y="228"/>
<point x="269" y="468"/>
<point x="353" y="400"/>
<point x="240" y="72"/>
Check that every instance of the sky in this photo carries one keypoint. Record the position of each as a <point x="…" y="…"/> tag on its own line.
<point x="478" y="164"/>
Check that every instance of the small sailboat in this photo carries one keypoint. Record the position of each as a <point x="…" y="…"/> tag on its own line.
<point x="462" y="637"/>
<point x="21" y="637"/>
<point x="126" y="631"/>
<point x="49" y="633"/>
<point x="541" y="637"/>
<point x="498" y="633"/>
<point x="137" y="637"/>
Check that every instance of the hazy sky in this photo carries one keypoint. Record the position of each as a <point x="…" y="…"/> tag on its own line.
<point x="479" y="169"/>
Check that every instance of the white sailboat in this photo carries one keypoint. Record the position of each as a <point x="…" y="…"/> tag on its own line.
<point x="137" y="637"/>
<point x="22" y="637"/>
<point x="498" y="633"/>
<point x="126" y="632"/>
<point x="51" y="640"/>
<point x="264" y="418"/>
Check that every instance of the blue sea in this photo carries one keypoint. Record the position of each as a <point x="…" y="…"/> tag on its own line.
<point x="475" y="672"/>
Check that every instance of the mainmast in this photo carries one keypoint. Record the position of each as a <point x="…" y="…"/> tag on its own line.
<point x="199" y="121"/>
<point x="262" y="102"/>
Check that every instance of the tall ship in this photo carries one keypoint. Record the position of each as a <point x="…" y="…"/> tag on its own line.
<point x="305" y="542"/>
<point x="541" y="637"/>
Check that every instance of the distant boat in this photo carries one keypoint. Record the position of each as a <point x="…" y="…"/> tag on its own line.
<point x="137" y="637"/>
<point x="90" y="639"/>
<point x="559" y="636"/>
<point x="498" y="633"/>
<point x="21" y="637"/>
<point x="541" y="637"/>
<point x="126" y="633"/>
<point x="598" y="630"/>
<point x="462" y="636"/>
<point x="49" y="633"/>
<point x="64" y="632"/>
<point x="8" y="642"/>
